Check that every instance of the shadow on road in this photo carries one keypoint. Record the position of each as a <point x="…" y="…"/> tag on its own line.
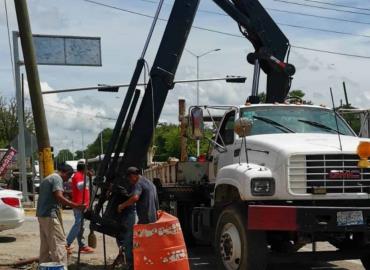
<point x="321" y="266"/>
<point x="7" y="239"/>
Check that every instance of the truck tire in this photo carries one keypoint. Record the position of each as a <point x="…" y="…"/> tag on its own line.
<point x="366" y="262"/>
<point x="236" y="247"/>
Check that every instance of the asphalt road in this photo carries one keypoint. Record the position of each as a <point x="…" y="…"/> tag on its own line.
<point x="23" y="243"/>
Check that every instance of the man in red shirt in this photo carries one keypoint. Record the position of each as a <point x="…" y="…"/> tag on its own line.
<point x="80" y="196"/>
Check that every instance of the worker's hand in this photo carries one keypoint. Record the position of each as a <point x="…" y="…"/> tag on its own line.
<point x="120" y="208"/>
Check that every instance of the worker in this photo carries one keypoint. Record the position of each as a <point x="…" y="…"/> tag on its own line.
<point x="80" y="195"/>
<point x="52" y="236"/>
<point x="125" y="238"/>
<point x="144" y="194"/>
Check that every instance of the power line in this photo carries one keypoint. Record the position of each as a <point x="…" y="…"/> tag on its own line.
<point x="325" y="30"/>
<point x="337" y="5"/>
<point x="317" y="16"/>
<point x="331" y="52"/>
<point x="276" y="10"/>
<point x="221" y="32"/>
<point x="319" y="7"/>
<point x="240" y="36"/>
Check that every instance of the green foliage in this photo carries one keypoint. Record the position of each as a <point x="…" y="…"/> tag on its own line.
<point x="63" y="155"/>
<point x="298" y="95"/>
<point x="167" y="142"/>
<point x="94" y="149"/>
<point x="9" y="121"/>
<point x="262" y="97"/>
<point x="353" y="119"/>
<point x="79" y="154"/>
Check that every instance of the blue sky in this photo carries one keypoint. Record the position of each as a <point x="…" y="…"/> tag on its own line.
<point x="77" y="115"/>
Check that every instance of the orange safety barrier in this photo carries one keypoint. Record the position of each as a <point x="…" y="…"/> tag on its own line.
<point x="160" y="245"/>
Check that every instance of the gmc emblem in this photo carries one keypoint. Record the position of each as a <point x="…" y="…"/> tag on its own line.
<point x="344" y="174"/>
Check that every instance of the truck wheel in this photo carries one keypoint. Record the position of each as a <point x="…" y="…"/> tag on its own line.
<point x="236" y="247"/>
<point x="366" y="262"/>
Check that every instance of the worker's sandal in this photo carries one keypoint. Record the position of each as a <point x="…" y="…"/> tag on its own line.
<point x="86" y="249"/>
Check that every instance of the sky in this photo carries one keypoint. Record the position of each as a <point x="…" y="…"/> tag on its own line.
<point x="75" y="119"/>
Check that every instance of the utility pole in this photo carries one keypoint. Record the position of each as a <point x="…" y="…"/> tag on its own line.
<point x="20" y="115"/>
<point x="25" y="33"/>
<point x="183" y="139"/>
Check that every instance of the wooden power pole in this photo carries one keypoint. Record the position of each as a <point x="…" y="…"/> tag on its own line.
<point x="183" y="126"/>
<point x="45" y="153"/>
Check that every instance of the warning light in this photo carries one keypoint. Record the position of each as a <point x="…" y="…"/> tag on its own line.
<point x="363" y="151"/>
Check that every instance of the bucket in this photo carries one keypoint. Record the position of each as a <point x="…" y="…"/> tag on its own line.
<point x="51" y="266"/>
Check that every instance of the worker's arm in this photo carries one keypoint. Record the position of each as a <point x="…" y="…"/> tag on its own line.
<point x="133" y="199"/>
<point x="58" y="194"/>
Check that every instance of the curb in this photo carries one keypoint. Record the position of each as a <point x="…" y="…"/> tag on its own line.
<point x="30" y="211"/>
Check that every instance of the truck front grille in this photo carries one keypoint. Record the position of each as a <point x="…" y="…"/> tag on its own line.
<point x="332" y="173"/>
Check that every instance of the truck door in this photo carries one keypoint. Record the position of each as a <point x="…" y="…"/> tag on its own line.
<point x="223" y="156"/>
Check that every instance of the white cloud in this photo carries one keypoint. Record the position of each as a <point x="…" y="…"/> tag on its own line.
<point x="123" y="35"/>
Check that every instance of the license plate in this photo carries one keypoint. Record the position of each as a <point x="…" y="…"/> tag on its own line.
<point x="349" y="218"/>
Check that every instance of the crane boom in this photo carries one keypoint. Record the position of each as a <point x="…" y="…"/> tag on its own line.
<point x="271" y="47"/>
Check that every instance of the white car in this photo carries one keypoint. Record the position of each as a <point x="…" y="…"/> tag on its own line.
<point x="11" y="210"/>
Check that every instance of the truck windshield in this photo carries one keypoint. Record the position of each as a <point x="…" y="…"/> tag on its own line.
<point x="296" y="119"/>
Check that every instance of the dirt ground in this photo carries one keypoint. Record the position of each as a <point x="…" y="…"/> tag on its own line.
<point x="23" y="243"/>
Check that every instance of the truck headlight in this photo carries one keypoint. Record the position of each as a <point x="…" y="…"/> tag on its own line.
<point x="263" y="186"/>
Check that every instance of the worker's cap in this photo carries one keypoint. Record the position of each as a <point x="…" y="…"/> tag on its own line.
<point x="132" y="170"/>
<point x="81" y="161"/>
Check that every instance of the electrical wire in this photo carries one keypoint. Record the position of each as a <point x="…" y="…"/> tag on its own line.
<point x="320" y="7"/>
<point x="10" y="44"/>
<point x="324" y="30"/>
<point x="337" y="5"/>
<point x="331" y="52"/>
<point x="234" y="35"/>
<point x="317" y="16"/>
<point x="276" y="10"/>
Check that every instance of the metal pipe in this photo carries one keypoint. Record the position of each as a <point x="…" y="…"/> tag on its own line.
<point x="256" y="78"/>
<point x="152" y="28"/>
<point x="88" y="88"/>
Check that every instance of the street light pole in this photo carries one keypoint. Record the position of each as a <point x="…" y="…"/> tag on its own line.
<point x="199" y="56"/>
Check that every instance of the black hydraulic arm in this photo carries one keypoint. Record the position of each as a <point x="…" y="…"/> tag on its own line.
<point x="270" y="44"/>
<point x="161" y="81"/>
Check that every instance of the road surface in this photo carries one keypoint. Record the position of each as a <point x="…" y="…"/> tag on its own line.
<point x="23" y="243"/>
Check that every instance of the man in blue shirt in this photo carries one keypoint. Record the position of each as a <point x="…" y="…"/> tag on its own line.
<point x="144" y="194"/>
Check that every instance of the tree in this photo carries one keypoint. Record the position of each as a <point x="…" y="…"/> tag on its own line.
<point x="63" y="155"/>
<point x="262" y="97"/>
<point x="9" y="121"/>
<point x="79" y="154"/>
<point x="94" y="149"/>
<point x="298" y="95"/>
<point x="167" y="142"/>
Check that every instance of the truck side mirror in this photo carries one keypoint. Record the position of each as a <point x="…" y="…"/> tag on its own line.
<point x="197" y="123"/>
<point x="243" y="127"/>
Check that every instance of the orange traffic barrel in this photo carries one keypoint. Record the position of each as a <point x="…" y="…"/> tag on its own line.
<point x="160" y="245"/>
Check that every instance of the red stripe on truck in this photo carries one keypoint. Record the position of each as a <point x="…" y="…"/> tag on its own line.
<point x="272" y="218"/>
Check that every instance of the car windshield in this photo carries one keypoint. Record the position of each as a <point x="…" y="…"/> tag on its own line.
<point x="296" y="119"/>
